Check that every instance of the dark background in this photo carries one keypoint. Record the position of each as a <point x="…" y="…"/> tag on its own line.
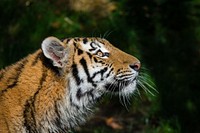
<point x="163" y="34"/>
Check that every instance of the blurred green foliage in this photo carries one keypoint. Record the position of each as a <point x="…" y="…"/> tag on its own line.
<point x="164" y="34"/>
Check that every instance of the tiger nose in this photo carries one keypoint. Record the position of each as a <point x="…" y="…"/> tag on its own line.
<point x="136" y="66"/>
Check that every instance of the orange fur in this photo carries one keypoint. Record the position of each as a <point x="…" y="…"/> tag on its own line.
<point x="13" y="100"/>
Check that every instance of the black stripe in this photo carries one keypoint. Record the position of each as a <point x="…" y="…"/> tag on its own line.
<point x="102" y="62"/>
<point x="18" y="70"/>
<point x="109" y="72"/>
<point x="68" y="39"/>
<point x="29" y="111"/>
<point x="85" y="40"/>
<point x="71" y="101"/>
<point x="43" y="78"/>
<point x="126" y="79"/>
<point x="79" y="94"/>
<point x="75" y="74"/>
<point x="84" y="64"/>
<point x="124" y="75"/>
<point x="36" y="59"/>
<point x="90" y="55"/>
<point x="90" y="93"/>
<point x="92" y="46"/>
<point x="57" y="121"/>
<point x="73" y="104"/>
<point x="118" y="71"/>
<point x="80" y="51"/>
<point x="75" y="44"/>
<point x="95" y="59"/>
<point x="102" y="71"/>
<point x="11" y="85"/>
<point x="29" y="118"/>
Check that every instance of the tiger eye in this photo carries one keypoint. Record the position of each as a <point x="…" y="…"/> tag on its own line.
<point x="99" y="53"/>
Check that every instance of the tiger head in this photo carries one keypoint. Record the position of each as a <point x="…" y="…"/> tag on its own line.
<point x="93" y="65"/>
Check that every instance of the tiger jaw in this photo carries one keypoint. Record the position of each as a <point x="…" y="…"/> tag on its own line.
<point x="85" y="94"/>
<point x="124" y="87"/>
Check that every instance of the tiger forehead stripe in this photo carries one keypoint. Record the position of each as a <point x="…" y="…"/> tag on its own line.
<point x="85" y="40"/>
<point x="93" y="45"/>
<point x="101" y="41"/>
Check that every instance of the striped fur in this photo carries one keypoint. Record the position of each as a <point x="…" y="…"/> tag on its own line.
<point x="55" y="88"/>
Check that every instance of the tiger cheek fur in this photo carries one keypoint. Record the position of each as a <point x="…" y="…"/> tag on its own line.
<point x="54" y="89"/>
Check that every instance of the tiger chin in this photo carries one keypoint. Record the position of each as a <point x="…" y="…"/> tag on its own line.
<point x="55" y="88"/>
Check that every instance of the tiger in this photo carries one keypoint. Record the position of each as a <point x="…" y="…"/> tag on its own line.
<point x="54" y="89"/>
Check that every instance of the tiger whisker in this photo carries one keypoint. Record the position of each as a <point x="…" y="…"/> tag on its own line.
<point x="146" y="81"/>
<point x="107" y="33"/>
<point x="112" y="88"/>
<point x="145" y="88"/>
<point x="138" y="92"/>
<point x="124" y="100"/>
<point x="119" y="94"/>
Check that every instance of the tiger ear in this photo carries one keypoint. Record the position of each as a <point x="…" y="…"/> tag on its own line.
<point x="54" y="50"/>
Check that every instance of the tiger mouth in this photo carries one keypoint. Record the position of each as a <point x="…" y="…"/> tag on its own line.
<point x="119" y="85"/>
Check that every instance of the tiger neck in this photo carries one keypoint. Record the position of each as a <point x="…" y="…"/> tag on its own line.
<point x="80" y="94"/>
<point x="78" y="102"/>
<point x="83" y="94"/>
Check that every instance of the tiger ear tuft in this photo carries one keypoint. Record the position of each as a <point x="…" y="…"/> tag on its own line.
<point x="54" y="50"/>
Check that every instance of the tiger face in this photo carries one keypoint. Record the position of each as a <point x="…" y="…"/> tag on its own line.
<point x="96" y="65"/>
